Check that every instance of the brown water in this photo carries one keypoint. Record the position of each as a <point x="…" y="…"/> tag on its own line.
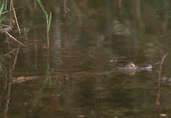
<point x="78" y="77"/>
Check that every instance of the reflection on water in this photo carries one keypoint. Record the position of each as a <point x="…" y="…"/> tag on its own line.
<point x="78" y="76"/>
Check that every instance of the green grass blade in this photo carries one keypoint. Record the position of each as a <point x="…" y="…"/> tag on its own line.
<point x="2" y="8"/>
<point x="42" y="7"/>
<point x="49" y="21"/>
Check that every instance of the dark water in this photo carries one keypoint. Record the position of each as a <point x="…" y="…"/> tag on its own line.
<point x="77" y="76"/>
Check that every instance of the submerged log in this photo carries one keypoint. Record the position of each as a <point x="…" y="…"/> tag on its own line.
<point x="61" y="75"/>
<point x="22" y="79"/>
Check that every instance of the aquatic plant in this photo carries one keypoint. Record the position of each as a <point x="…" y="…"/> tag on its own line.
<point x="2" y="11"/>
<point x="48" y="18"/>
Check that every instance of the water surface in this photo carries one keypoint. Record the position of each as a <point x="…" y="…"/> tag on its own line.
<point x="77" y="76"/>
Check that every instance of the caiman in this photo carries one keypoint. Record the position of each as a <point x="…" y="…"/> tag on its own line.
<point x="132" y="68"/>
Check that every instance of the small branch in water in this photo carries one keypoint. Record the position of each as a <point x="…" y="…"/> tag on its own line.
<point x="15" y="60"/>
<point x="158" y="96"/>
<point x="12" y="37"/>
<point x="5" y="28"/>
<point x="10" y="52"/>
<point x="9" y="87"/>
<point x="15" y="16"/>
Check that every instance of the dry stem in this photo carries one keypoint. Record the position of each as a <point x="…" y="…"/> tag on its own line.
<point x="15" y="16"/>
<point x="12" y="37"/>
<point x="158" y="103"/>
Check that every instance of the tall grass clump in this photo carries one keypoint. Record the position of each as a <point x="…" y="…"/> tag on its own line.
<point x="48" y="18"/>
